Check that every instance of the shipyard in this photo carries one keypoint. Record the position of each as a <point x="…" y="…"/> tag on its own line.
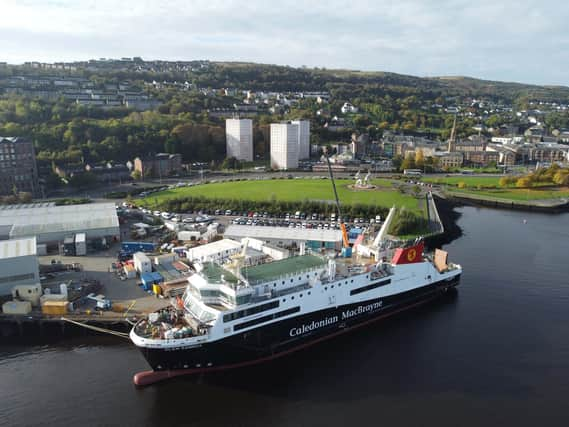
<point x="281" y="214"/>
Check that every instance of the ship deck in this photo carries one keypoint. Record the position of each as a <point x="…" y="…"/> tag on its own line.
<point x="272" y="270"/>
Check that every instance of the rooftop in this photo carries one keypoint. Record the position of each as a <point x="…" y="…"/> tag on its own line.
<point x="214" y="248"/>
<point x="264" y="233"/>
<point x="37" y="218"/>
<point x="17" y="248"/>
<point x="272" y="270"/>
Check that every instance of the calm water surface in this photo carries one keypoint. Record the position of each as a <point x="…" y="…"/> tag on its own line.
<point x="495" y="353"/>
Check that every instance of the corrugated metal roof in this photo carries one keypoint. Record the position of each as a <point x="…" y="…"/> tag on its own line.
<point x="17" y="248"/>
<point x="283" y="233"/>
<point x="213" y="248"/>
<point x="38" y="218"/>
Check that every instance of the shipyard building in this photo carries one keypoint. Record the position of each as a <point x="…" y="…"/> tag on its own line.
<point x="51" y="224"/>
<point x="18" y="264"/>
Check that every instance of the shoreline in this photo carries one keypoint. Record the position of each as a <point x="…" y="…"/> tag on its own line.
<point x="550" y="205"/>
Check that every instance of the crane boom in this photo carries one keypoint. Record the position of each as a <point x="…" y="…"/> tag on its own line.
<point x="340" y="220"/>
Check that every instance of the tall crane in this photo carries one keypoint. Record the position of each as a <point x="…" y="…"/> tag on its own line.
<point x="346" y="250"/>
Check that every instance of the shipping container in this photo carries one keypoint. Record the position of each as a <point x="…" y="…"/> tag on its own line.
<point x="165" y="259"/>
<point x="17" y="307"/>
<point x="142" y="263"/>
<point x="149" y="279"/>
<point x="130" y="248"/>
<point x="56" y="308"/>
<point x="129" y="271"/>
<point x="80" y="244"/>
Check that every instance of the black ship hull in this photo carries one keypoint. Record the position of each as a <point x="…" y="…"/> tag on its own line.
<point x="285" y="336"/>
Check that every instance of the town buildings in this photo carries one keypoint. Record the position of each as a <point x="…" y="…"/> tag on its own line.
<point x="284" y="146"/>
<point x="18" y="170"/>
<point x="159" y="165"/>
<point x="239" y="139"/>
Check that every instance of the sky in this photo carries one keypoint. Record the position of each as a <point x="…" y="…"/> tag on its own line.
<point x="523" y="41"/>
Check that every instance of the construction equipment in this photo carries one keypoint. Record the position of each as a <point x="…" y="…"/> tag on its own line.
<point x="346" y="249"/>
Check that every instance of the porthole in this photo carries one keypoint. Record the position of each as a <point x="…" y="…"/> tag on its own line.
<point x="332" y="287"/>
<point x="325" y="288"/>
<point x="291" y="297"/>
<point x="300" y="295"/>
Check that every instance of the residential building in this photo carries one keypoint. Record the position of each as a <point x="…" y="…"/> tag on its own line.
<point x="159" y="165"/>
<point x="239" y="139"/>
<point x="303" y="138"/>
<point x="284" y="146"/>
<point x="449" y="159"/>
<point x="18" y="170"/>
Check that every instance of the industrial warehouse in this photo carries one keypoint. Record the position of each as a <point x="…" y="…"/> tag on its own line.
<point x="18" y="264"/>
<point x="51" y="224"/>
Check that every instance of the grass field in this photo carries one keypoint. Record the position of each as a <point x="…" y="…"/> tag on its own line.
<point x="471" y="181"/>
<point x="292" y="190"/>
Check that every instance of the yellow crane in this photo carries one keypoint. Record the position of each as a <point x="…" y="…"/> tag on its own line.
<point x="346" y="249"/>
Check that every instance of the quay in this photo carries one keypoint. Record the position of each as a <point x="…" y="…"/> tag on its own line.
<point x="36" y="325"/>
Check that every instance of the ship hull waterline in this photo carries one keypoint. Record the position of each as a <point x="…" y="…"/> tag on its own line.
<point x="281" y="338"/>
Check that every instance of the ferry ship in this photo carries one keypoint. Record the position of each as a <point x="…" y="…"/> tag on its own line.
<point x="232" y="316"/>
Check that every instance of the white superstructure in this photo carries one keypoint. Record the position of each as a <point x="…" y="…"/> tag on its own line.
<point x="239" y="139"/>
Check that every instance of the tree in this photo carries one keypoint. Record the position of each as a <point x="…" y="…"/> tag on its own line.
<point x="419" y="159"/>
<point x="136" y="175"/>
<point x="83" y="180"/>
<point x="408" y="163"/>
<point x="397" y="161"/>
<point x="524" y="182"/>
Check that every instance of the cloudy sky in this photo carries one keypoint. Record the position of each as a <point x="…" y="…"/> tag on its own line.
<point x="525" y="41"/>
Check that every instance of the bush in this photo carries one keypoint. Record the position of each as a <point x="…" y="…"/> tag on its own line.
<point x="461" y="184"/>
<point x="406" y="222"/>
<point x="72" y="201"/>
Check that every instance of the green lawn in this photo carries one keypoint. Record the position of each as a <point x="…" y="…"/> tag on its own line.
<point x="471" y="181"/>
<point x="292" y="190"/>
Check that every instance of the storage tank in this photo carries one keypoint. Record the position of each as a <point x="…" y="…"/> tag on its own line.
<point x="31" y="293"/>
<point x="80" y="244"/>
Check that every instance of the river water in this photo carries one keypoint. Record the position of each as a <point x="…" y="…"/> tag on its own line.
<point x="494" y="353"/>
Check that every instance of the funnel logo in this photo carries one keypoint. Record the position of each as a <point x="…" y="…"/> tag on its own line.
<point x="411" y="255"/>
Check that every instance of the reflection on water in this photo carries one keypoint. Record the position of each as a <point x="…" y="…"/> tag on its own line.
<point x="494" y="353"/>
